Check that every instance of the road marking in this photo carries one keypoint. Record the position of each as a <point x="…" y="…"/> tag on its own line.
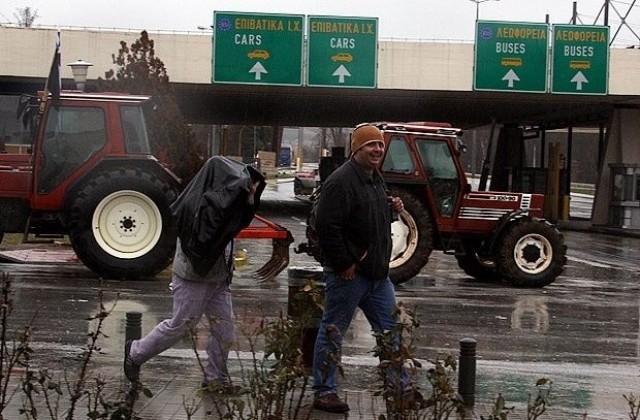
<point x="592" y="263"/>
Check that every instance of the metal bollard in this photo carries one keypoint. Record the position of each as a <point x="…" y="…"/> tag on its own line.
<point x="467" y="371"/>
<point x="133" y="328"/>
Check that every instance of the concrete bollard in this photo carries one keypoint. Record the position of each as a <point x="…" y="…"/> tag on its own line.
<point x="467" y="371"/>
<point x="133" y="327"/>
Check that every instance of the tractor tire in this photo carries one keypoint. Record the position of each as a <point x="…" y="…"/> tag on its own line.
<point x="412" y="236"/>
<point x="479" y="268"/>
<point x="120" y="224"/>
<point x="531" y="253"/>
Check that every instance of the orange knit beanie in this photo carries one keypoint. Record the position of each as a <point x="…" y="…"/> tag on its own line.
<point x="365" y="134"/>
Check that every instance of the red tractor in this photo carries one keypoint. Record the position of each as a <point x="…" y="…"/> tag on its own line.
<point x="492" y="234"/>
<point x="89" y="174"/>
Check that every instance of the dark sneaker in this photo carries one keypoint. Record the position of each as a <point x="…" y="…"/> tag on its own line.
<point x="131" y="370"/>
<point x="330" y="403"/>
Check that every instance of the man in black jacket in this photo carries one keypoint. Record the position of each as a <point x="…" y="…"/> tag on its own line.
<point x="353" y="223"/>
<point x="220" y="201"/>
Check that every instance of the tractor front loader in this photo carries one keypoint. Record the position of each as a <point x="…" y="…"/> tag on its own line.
<point x="281" y="237"/>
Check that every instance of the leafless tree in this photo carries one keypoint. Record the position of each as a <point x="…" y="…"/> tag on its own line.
<point x="26" y="16"/>
<point x="325" y="138"/>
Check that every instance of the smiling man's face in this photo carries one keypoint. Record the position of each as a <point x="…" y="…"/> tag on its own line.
<point x="369" y="156"/>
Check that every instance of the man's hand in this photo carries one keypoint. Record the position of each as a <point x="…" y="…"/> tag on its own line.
<point x="349" y="273"/>
<point x="396" y="204"/>
<point x="253" y="186"/>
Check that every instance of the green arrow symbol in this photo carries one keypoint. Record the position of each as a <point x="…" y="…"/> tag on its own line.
<point x="511" y="77"/>
<point x="341" y="72"/>
<point x="258" y="69"/>
<point x="579" y="79"/>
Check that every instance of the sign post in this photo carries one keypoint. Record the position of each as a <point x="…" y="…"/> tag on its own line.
<point x="342" y="52"/>
<point x="580" y="60"/>
<point x="257" y="48"/>
<point x="511" y="56"/>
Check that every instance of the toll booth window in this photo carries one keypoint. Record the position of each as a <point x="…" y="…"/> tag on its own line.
<point x="398" y="157"/>
<point x="134" y="130"/>
<point x="441" y="172"/>
<point x="72" y="136"/>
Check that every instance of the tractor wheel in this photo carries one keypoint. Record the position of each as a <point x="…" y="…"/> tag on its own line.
<point x="531" y="253"/>
<point x="412" y="237"/>
<point x="120" y="224"/>
<point x="475" y="266"/>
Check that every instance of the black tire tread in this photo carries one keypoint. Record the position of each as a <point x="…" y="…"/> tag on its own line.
<point x="469" y="263"/>
<point x="80" y="212"/>
<point x="420" y="257"/>
<point x="504" y="257"/>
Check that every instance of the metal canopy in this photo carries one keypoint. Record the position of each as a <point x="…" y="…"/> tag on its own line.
<point x="327" y="107"/>
<point x="265" y="105"/>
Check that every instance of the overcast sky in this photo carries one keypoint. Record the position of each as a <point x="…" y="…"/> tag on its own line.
<point x="416" y="19"/>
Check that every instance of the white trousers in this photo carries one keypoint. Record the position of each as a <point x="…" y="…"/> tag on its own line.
<point x="192" y="300"/>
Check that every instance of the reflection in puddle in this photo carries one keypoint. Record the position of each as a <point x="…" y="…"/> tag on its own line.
<point x="530" y="313"/>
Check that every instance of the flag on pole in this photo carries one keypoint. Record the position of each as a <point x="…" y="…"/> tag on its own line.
<point x="54" y="83"/>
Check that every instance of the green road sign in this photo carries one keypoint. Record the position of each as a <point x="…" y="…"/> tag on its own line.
<point x="342" y="52"/>
<point x="580" y="59"/>
<point x="257" y="48"/>
<point x="511" y="56"/>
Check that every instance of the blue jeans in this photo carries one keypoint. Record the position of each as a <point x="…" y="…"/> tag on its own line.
<point x="342" y="297"/>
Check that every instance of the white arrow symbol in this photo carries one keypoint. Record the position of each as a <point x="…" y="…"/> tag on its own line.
<point x="579" y="79"/>
<point x="341" y="72"/>
<point x="258" y="69"/>
<point x="511" y="77"/>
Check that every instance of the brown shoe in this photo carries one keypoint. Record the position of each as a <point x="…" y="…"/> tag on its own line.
<point x="330" y="403"/>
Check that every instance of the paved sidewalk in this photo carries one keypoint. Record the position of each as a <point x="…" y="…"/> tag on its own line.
<point x="173" y="378"/>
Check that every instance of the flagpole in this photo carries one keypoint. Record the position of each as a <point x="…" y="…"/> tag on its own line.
<point x="53" y="84"/>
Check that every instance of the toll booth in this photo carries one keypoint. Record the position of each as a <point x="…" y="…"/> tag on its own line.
<point x="624" y="205"/>
<point x="534" y="180"/>
<point x="550" y="181"/>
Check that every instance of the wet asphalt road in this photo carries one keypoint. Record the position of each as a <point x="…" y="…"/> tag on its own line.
<point x="582" y="331"/>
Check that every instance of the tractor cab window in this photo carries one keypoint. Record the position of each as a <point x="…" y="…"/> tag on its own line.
<point x="398" y="158"/>
<point x="441" y="172"/>
<point x="134" y="130"/>
<point x="72" y="135"/>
